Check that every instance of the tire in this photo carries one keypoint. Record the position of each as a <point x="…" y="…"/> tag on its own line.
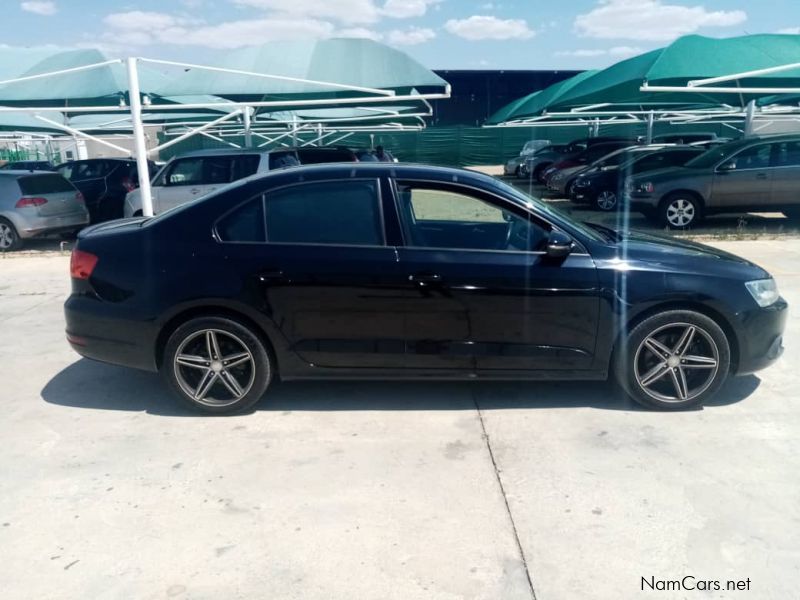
<point x="9" y="238"/>
<point x="539" y="171"/>
<point x="605" y="200"/>
<point x="680" y="211"/>
<point x="203" y="382"/>
<point x="685" y="377"/>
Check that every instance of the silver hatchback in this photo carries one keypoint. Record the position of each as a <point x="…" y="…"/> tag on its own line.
<point x="37" y="203"/>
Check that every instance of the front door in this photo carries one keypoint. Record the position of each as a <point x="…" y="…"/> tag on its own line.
<point x="743" y="180"/>
<point x="484" y="294"/>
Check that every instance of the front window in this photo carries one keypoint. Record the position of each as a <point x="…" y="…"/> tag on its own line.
<point x="187" y="171"/>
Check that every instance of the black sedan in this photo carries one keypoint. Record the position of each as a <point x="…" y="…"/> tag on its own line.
<point x="393" y="271"/>
<point x="602" y="187"/>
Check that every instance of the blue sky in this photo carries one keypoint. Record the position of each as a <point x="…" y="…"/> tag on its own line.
<point x="453" y="34"/>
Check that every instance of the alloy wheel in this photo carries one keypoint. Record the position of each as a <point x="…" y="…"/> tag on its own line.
<point x="680" y="212"/>
<point x="214" y="367"/>
<point x="606" y="200"/>
<point x="676" y="362"/>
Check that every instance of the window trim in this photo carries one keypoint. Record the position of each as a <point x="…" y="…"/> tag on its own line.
<point x="530" y="214"/>
<point x="263" y="195"/>
<point x="733" y="157"/>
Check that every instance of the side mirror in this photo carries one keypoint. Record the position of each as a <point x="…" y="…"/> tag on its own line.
<point x="559" y="245"/>
<point x="727" y="166"/>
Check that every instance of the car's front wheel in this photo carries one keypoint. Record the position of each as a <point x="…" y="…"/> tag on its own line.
<point x="673" y="360"/>
<point x="9" y="238"/>
<point x="217" y="365"/>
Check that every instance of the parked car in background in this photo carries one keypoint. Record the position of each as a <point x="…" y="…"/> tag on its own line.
<point x="315" y="155"/>
<point x="28" y="165"/>
<point x="514" y="165"/>
<point x="334" y="271"/>
<point x="195" y="174"/>
<point x="563" y="172"/>
<point x="684" y="138"/>
<point x="602" y="183"/>
<point x="756" y="173"/>
<point x="34" y="204"/>
<point x="104" y="183"/>
<point x="541" y="161"/>
<point x="372" y="156"/>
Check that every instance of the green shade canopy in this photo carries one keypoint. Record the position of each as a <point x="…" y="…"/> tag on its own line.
<point x="535" y="103"/>
<point x="688" y="58"/>
<point x="349" y="62"/>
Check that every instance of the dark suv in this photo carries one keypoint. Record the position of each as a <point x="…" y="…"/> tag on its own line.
<point x="104" y="183"/>
<point x="757" y="173"/>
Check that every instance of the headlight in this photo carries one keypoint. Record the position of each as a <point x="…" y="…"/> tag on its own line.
<point x="764" y="291"/>
<point x="581" y="182"/>
<point x="645" y="187"/>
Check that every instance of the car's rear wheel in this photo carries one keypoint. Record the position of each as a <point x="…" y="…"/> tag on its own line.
<point x="217" y="365"/>
<point x="680" y="211"/>
<point x="9" y="238"/>
<point x="605" y="200"/>
<point x="673" y="360"/>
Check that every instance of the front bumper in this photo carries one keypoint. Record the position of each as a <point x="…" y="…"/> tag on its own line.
<point x="581" y="195"/>
<point x="760" y="337"/>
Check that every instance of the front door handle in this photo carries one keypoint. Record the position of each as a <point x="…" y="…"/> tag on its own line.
<point x="425" y="279"/>
<point x="761" y="175"/>
<point x="271" y="276"/>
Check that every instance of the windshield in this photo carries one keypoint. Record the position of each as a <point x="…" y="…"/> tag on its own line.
<point x="712" y="157"/>
<point x="547" y="209"/>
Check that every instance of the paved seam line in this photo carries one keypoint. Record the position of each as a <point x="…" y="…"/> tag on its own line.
<point x="505" y="498"/>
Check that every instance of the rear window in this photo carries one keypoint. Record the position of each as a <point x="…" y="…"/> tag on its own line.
<point x="33" y="185"/>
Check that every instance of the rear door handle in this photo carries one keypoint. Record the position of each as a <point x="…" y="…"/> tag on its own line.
<point x="423" y="279"/>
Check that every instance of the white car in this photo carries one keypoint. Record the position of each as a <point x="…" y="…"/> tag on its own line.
<point x="196" y="174"/>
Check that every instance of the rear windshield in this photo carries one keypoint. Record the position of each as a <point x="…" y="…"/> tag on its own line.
<point x="44" y="184"/>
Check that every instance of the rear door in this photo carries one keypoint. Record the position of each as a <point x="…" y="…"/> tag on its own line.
<point x="323" y="271"/>
<point x="786" y="172"/>
<point x="744" y="179"/>
<point x="484" y="296"/>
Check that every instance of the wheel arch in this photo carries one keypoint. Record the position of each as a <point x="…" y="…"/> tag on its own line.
<point x="212" y="310"/>
<point x="704" y="309"/>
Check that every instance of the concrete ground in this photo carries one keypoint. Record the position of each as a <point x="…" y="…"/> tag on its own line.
<point x="402" y="491"/>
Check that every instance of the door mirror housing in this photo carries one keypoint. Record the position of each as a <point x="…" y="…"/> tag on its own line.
<point x="559" y="245"/>
<point x="727" y="166"/>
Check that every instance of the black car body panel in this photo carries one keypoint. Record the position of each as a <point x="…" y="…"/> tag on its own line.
<point x="395" y="308"/>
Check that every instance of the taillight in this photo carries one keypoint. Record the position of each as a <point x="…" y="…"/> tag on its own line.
<point x="81" y="264"/>
<point x="27" y="201"/>
<point x="128" y="184"/>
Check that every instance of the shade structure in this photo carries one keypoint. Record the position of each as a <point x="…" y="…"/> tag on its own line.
<point x="536" y="103"/>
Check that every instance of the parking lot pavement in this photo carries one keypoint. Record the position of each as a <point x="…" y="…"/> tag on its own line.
<point x="368" y="490"/>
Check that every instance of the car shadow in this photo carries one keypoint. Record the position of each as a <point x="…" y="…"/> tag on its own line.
<point x="93" y="385"/>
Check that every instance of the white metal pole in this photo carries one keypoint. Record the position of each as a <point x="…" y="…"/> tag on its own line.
<point x="294" y="130"/>
<point x="650" y="123"/>
<point x="749" y="117"/>
<point x="248" y="133"/>
<point x="140" y="142"/>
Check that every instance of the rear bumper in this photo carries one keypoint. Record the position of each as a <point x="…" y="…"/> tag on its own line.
<point x="30" y="226"/>
<point x="761" y="337"/>
<point x="95" y="330"/>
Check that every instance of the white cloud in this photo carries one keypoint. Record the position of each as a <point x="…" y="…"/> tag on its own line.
<point x="410" y="37"/>
<point x="479" y="27"/>
<point x="359" y="32"/>
<point x="616" y="51"/>
<point x="39" y="7"/>
<point x="345" y="11"/>
<point x="790" y="30"/>
<point x="139" y="28"/>
<point x="404" y="9"/>
<point x="650" y="20"/>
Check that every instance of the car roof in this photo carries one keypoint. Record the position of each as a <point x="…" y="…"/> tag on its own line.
<point x="24" y="172"/>
<point x="227" y="151"/>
